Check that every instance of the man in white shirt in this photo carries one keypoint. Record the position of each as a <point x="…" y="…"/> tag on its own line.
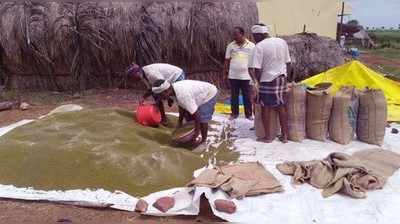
<point x="196" y="97"/>
<point x="236" y="70"/>
<point x="153" y="72"/>
<point x="271" y="63"/>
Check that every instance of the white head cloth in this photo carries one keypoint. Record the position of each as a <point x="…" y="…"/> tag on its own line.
<point x="259" y="29"/>
<point x="161" y="88"/>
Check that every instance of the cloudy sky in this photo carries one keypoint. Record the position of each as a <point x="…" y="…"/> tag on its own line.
<point x="376" y="12"/>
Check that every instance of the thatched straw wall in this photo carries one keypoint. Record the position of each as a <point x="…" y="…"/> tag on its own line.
<point x="60" y="44"/>
<point x="95" y="41"/>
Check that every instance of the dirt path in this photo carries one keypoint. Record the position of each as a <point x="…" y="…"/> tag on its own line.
<point x="21" y="212"/>
<point x="377" y="60"/>
<point x="42" y="103"/>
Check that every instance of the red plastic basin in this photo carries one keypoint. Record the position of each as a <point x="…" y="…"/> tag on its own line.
<point x="148" y="115"/>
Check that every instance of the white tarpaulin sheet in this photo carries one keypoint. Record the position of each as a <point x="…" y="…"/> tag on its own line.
<point x="297" y="204"/>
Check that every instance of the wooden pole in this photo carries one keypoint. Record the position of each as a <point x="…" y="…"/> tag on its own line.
<point x="341" y="23"/>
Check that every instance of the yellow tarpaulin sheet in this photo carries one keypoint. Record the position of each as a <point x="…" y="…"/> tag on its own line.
<point x="226" y="108"/>
<point x="356" y="74"/>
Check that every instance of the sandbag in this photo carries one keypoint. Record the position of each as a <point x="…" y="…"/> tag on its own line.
<point x="296" y="110"/>
<point x="343" y="121"/>
<point x="372" y="117"/>
<point x="319" y="105"/>
<point x="274" y="127"/>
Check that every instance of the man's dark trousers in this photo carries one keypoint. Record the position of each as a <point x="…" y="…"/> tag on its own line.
<point x="238" y="85"/>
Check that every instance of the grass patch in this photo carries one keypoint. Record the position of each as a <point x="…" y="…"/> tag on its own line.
<point x="385" y="36"/>
<point x="392" y="53"/>
<point x="386" y="39"/>
<point x="391" y="71"/>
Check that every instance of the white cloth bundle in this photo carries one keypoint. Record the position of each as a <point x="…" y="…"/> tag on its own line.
<point x="259" y="29"/>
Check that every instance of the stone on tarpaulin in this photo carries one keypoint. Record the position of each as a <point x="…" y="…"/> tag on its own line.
<point x="24" y="106"/>
<point x="164" y="204"/>
<point x="141" y="206"/>
<point x="225" y="206"/>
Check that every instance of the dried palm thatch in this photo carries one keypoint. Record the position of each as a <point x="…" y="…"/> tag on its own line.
<point x="93" y="42"/>
<point x="51" y="44"/>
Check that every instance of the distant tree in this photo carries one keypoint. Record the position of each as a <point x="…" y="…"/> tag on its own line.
<point x="383" y="27"/>
<point x="391" y="28"/>
<point x="353" y="22"/>
<point x="367" y="27"/>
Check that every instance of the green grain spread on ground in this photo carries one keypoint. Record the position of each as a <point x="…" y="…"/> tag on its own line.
<point x="101" y="148"/>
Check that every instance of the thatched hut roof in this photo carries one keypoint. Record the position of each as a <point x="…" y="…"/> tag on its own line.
<point x="102" y="37"/>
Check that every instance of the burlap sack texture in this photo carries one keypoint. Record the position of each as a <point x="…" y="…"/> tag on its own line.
<point x="372" y="117"/>
<point x="342" y="124"/>
<point x="239" y="180"/>
<point x="296" y="108"/>
<point x="319" y="105"/>
<point x="341" y="173"/>
<point x="274" y="127"/>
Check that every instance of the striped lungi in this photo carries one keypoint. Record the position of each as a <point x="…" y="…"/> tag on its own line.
<point x="272" y="94"/>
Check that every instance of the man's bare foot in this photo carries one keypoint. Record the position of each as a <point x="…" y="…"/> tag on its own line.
<point x="265" y="140"/>
<point x="283" y="138"/>
<point x="251" y="118"/>
<point x="233" y="117"/>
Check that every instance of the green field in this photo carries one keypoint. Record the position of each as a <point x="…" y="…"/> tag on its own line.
<point x="388" y="39"/>
<point x="392" y="53"/>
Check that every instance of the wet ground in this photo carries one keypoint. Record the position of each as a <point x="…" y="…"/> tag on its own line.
<point x="101" y="148"/>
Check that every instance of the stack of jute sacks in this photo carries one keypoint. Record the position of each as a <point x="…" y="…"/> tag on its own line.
<point x="317" y="114"/>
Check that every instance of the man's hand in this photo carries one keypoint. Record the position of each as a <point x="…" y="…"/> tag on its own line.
<point x="225" y="71"/>
<point x="145" y="96"/>
<point x="141" y="101"/>
<point x="165" y="122"/>
<point x="194" y="139"/>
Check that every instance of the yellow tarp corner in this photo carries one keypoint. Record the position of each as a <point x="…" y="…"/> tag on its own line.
<point x="357" y="74"/>
<point x="226" y="108"/>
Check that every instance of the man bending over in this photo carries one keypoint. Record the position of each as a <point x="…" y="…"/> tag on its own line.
<point x="153" y="72"/>
<point x="196" y="97"/>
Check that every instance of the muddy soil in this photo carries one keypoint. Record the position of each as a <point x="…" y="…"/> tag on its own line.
<point x="379" y="60"/>
<point x="22" y="212"/>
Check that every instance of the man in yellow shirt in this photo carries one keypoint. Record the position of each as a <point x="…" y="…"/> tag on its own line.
<point x="236" y="70"/>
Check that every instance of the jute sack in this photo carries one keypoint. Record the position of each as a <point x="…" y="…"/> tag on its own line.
<point x="372" y="117"/>
<point x="274" y="127"/>
<point x="319" y="105"/>
<point x="296" y="108"/>
<point x="343" y="121"/>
